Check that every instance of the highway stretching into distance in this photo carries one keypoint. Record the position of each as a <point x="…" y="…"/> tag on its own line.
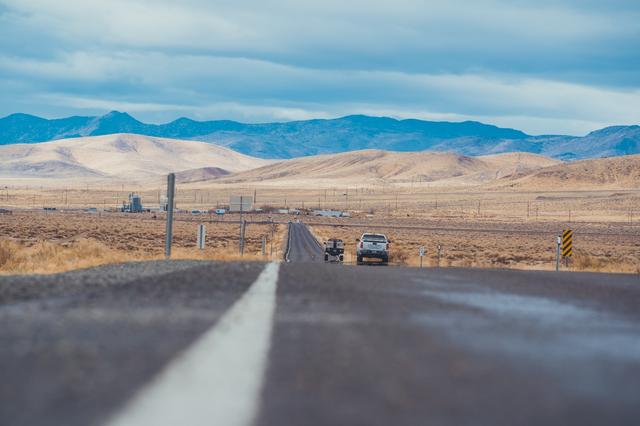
<point x="307" y="343"/>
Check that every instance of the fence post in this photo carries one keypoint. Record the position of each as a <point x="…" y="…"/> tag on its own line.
<point x="271" y="240"/>
<point x="242" y="229"/>
<point x="558" y="243"/>
<point x="171" y="187"/>
<point x="264" y="245"/>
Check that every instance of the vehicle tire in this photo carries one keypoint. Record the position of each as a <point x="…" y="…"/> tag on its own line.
<point x="385" y="260"/>
<point x="326" y="257"/>
<point x="359" y="261"/>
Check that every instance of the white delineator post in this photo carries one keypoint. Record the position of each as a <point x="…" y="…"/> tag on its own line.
<point x="202" y="233"/>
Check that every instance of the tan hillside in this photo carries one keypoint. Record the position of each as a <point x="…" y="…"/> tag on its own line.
<point x="600" y="173"/>
<point x="201" y="174"/>
<point x="513" y="163"/>
<point x="375" y="165"/>
<point x="118" y="156"/>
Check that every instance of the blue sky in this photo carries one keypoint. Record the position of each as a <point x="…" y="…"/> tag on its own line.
<point x="541" y="66"/>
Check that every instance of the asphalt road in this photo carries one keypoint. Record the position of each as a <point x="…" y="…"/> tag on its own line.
<point x="302" y="246"/>
<point x="315" y="344"/>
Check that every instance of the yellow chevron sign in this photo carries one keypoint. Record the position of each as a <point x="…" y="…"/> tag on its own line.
<point x="567" y="243"/>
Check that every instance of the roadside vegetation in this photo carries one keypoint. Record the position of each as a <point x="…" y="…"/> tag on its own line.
<point x="481" y="250"/>
<point x="46" y="257"/>
<point x="47" y="243"/>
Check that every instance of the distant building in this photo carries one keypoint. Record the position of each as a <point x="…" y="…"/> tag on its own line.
<point x="134" y="205"/>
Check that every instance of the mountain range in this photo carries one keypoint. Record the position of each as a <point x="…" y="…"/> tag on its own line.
<point x="324" y="136"/>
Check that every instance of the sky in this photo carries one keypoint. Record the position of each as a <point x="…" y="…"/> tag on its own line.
<point x="541" y="66"/>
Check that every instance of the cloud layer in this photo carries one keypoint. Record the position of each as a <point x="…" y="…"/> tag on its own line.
<point x="543" y="66"/>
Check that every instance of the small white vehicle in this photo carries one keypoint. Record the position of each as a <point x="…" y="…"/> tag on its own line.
<point x="334" y="250"/>
<point x="373" y="246"/>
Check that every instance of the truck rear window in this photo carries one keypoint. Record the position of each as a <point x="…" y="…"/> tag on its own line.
<point x="374" y="238"/>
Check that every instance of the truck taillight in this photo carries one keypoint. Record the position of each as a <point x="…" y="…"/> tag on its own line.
<point x="361" y="244"/>
<point x="388" y="246"/>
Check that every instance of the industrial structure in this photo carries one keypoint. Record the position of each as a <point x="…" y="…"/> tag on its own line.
<point x="134" y="205"/>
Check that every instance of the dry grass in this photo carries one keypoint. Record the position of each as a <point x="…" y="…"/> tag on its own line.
<point x="606" y="223"/>
<point x="584" y="262"/>
<point x="34" y="242"/>
<point x="46" y="257"/>
<point x="600" y="253"/>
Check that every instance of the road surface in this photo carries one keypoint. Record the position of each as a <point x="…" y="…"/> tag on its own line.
<point x="303" y="247"/>
<point x="304" y="343"/>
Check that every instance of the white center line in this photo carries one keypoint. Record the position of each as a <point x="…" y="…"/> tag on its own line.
<point x="217" y="380"/>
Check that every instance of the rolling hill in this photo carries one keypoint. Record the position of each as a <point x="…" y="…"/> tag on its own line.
<point x="315" y="137"/>
<point x="376" y="165"/>
<point x="120" y="157"/>
<point x="601" y="173"/>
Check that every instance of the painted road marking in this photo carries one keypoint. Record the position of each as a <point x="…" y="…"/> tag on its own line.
<point x="218" y="379"/>
<point x="286" y="255"/>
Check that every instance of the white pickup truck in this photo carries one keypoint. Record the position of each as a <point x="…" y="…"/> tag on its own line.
<point x="373" y="246"/>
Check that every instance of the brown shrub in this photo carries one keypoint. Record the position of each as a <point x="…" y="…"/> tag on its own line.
<point x="7" y="250"/>
<point x="398" y="257"/>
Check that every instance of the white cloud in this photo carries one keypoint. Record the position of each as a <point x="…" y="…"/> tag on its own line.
<point x="512" y="63"/>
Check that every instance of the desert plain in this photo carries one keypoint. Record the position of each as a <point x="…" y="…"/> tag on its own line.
<point x="499" y="211"/>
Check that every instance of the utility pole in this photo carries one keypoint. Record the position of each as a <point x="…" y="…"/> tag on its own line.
<point x="241" y="227"/>
<point x="171" y="186"/>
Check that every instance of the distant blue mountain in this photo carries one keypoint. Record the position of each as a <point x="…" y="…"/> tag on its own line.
<point x="311" y="137"/>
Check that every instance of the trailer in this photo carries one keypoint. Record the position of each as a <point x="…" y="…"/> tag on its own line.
<point x="334" y="250"/>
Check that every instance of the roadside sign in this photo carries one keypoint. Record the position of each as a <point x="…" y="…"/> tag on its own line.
<point x="421" y="251"/>
<point x="567" y="243"/>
